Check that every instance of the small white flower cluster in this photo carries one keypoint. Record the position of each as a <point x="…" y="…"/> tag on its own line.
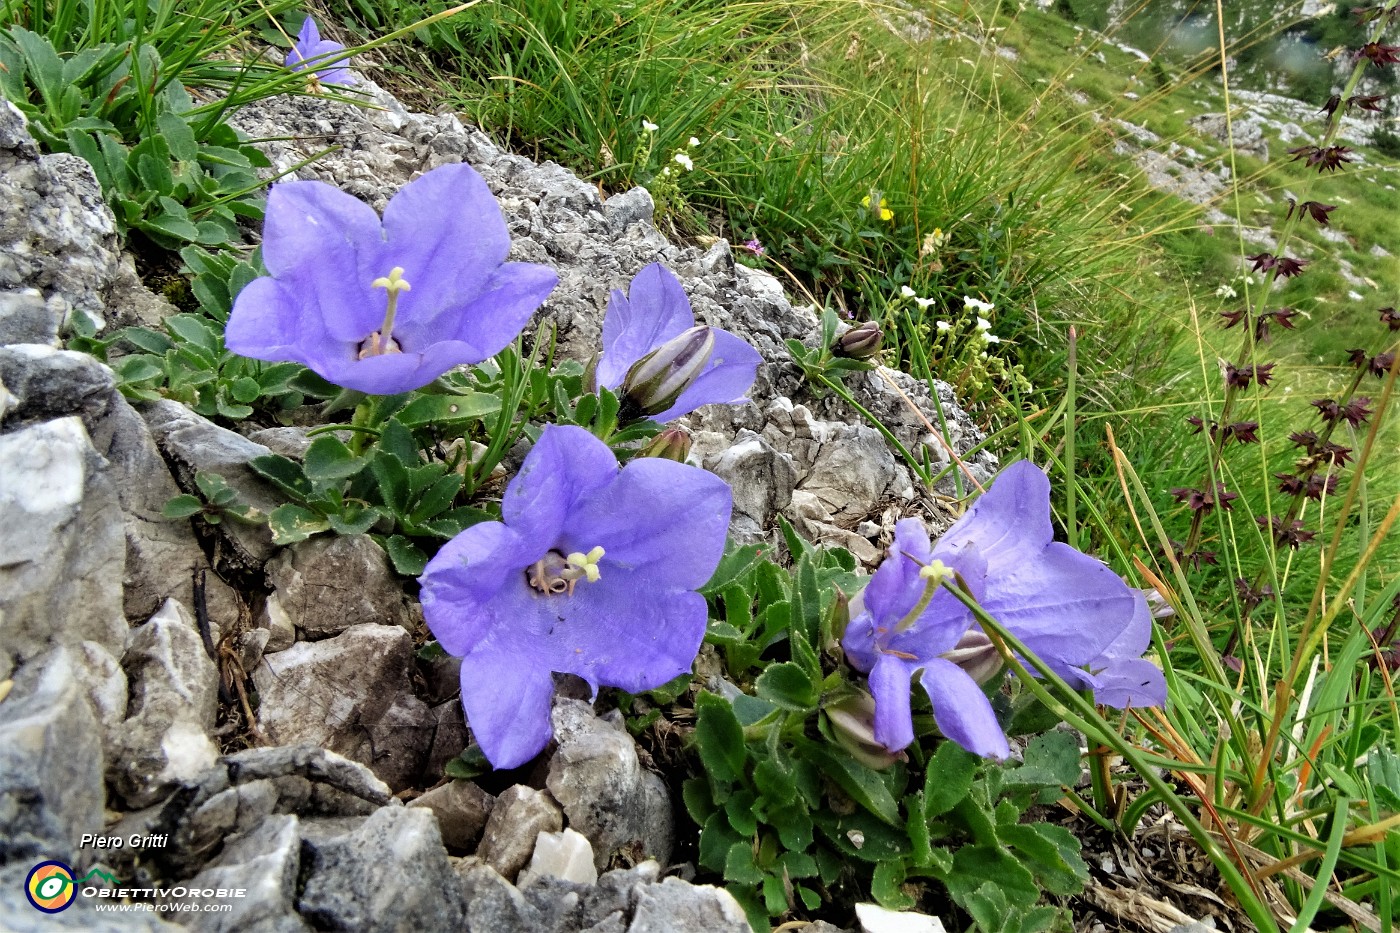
<point x="906" y="292"/>
<point x="984" y="326"/>
<point x="681" y="157"/>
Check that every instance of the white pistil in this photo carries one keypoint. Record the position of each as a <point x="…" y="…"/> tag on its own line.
<point x="382" y="341"/>
<point x="934" y="574"/>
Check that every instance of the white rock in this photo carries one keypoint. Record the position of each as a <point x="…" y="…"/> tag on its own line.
<point x="876" y="919"/>
<point x="567" y="856"/>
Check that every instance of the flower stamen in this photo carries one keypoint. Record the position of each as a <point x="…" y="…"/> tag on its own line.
<point x="556" y="573"/>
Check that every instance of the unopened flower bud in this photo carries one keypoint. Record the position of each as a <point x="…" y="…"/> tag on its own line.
<point x="860" y="342"/>
<point x="976" y="655"/>
<point x="853" y="725"/>
<point x="670" y="444"/>
<point x="656" y="380"/>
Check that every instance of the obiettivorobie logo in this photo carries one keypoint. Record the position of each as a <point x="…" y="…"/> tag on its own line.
<point x="51" y="887"/>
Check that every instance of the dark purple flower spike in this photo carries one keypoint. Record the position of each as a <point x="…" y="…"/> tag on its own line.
<point x="386" y="307"/>
<point x="592" y="571"/>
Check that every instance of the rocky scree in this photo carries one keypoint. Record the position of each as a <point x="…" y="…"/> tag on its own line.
<point x="122" y="636"/>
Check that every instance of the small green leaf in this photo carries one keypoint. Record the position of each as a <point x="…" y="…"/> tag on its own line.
<point x="328" y="460"/>
<point x="972" y="865"/>
<point x="469" y="765"/>
<point x="437" y="498"/>
<point x="178" y="136"/>
<point x="245" y="389"/>
<point x="196" y="329"/>
<point x="182" y="506"/>
<point x="948" y="779"/>
<point x="283" y="473"/>
<point x="175" y="227"/>
<point x="736" y="563"/>
<point x="1051" y="759"/>
<point x="392" y="477"/>
<point x="788" y="685"/>
<point x="398" y="440"/>
<point x="715" y="840"/>
<point x="408" y="558"/>
<point x="885" y="886"/>
<point x="138" y="368"/>
<point x="447" y="409"/>
<point x="861" y="784"/>
<point x="695" y="792"/>
<point x="739" y="865"/>
<point x="292" y="523"/>
<point x="354" y="522"/>
<point x="1051" y="853"/>
<point x="740" y="810"/>
<point x="720" y="739"/>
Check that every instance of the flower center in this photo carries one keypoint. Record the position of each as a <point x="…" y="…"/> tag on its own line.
<point x="934" y="574"/>
<point x="382" y="342"/>
<point x="559" y="573"/>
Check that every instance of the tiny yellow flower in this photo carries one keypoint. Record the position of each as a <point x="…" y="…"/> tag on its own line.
<point x="885" y="212"/>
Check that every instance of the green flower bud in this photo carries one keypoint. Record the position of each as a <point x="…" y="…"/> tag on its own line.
<point x="860" y="342"/>
<point x="853" y="724"/>
<point x="670" y="444"/>
<point x="656" y="380"/>
<point x="976" y="655"/>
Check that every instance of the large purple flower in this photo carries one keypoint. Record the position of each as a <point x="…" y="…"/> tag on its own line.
<point x="310" y="48"/>
<point x="386" y="307"/>
<point x="1075" y="613"/>
<point x="592" y="572"/>
<point x="666" y="365"/>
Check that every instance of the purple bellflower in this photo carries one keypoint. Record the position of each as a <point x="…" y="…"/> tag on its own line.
<point x="386" y="307"/>
<point x="592" y="572"/>
<point x="665" y="365"/>
<point x="1075" y="613"/>
<point x="310" y="49"/>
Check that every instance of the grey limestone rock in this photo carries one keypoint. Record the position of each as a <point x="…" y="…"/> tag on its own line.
<point x="266" y="863"/>
<point x="25" y="317"/>
<point x="56" y="233"/>
<point x="462" y="810"/>
<point x="345" y="885"/>
<point x="494" y="905"/>
<point x="630" y="207"/>
<point x="51" y="757"/>
<point x="162" y="556"/>
<point x="673" y="906"/>
<point x="604" y="791"/>
<point x="240" y="790"/>
<point x="48" y="383"/>
<point x="331" y="582"/>
<point x="192" y="444"/>
<point x="519" y="816"/>
<point x="62" y="555"/>
<point x="334" y="694"/>
<point x="174" y="697"/>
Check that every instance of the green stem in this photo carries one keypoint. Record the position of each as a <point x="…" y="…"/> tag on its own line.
<point x="1081" y="714"/>
<point x="914" y="465"/>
